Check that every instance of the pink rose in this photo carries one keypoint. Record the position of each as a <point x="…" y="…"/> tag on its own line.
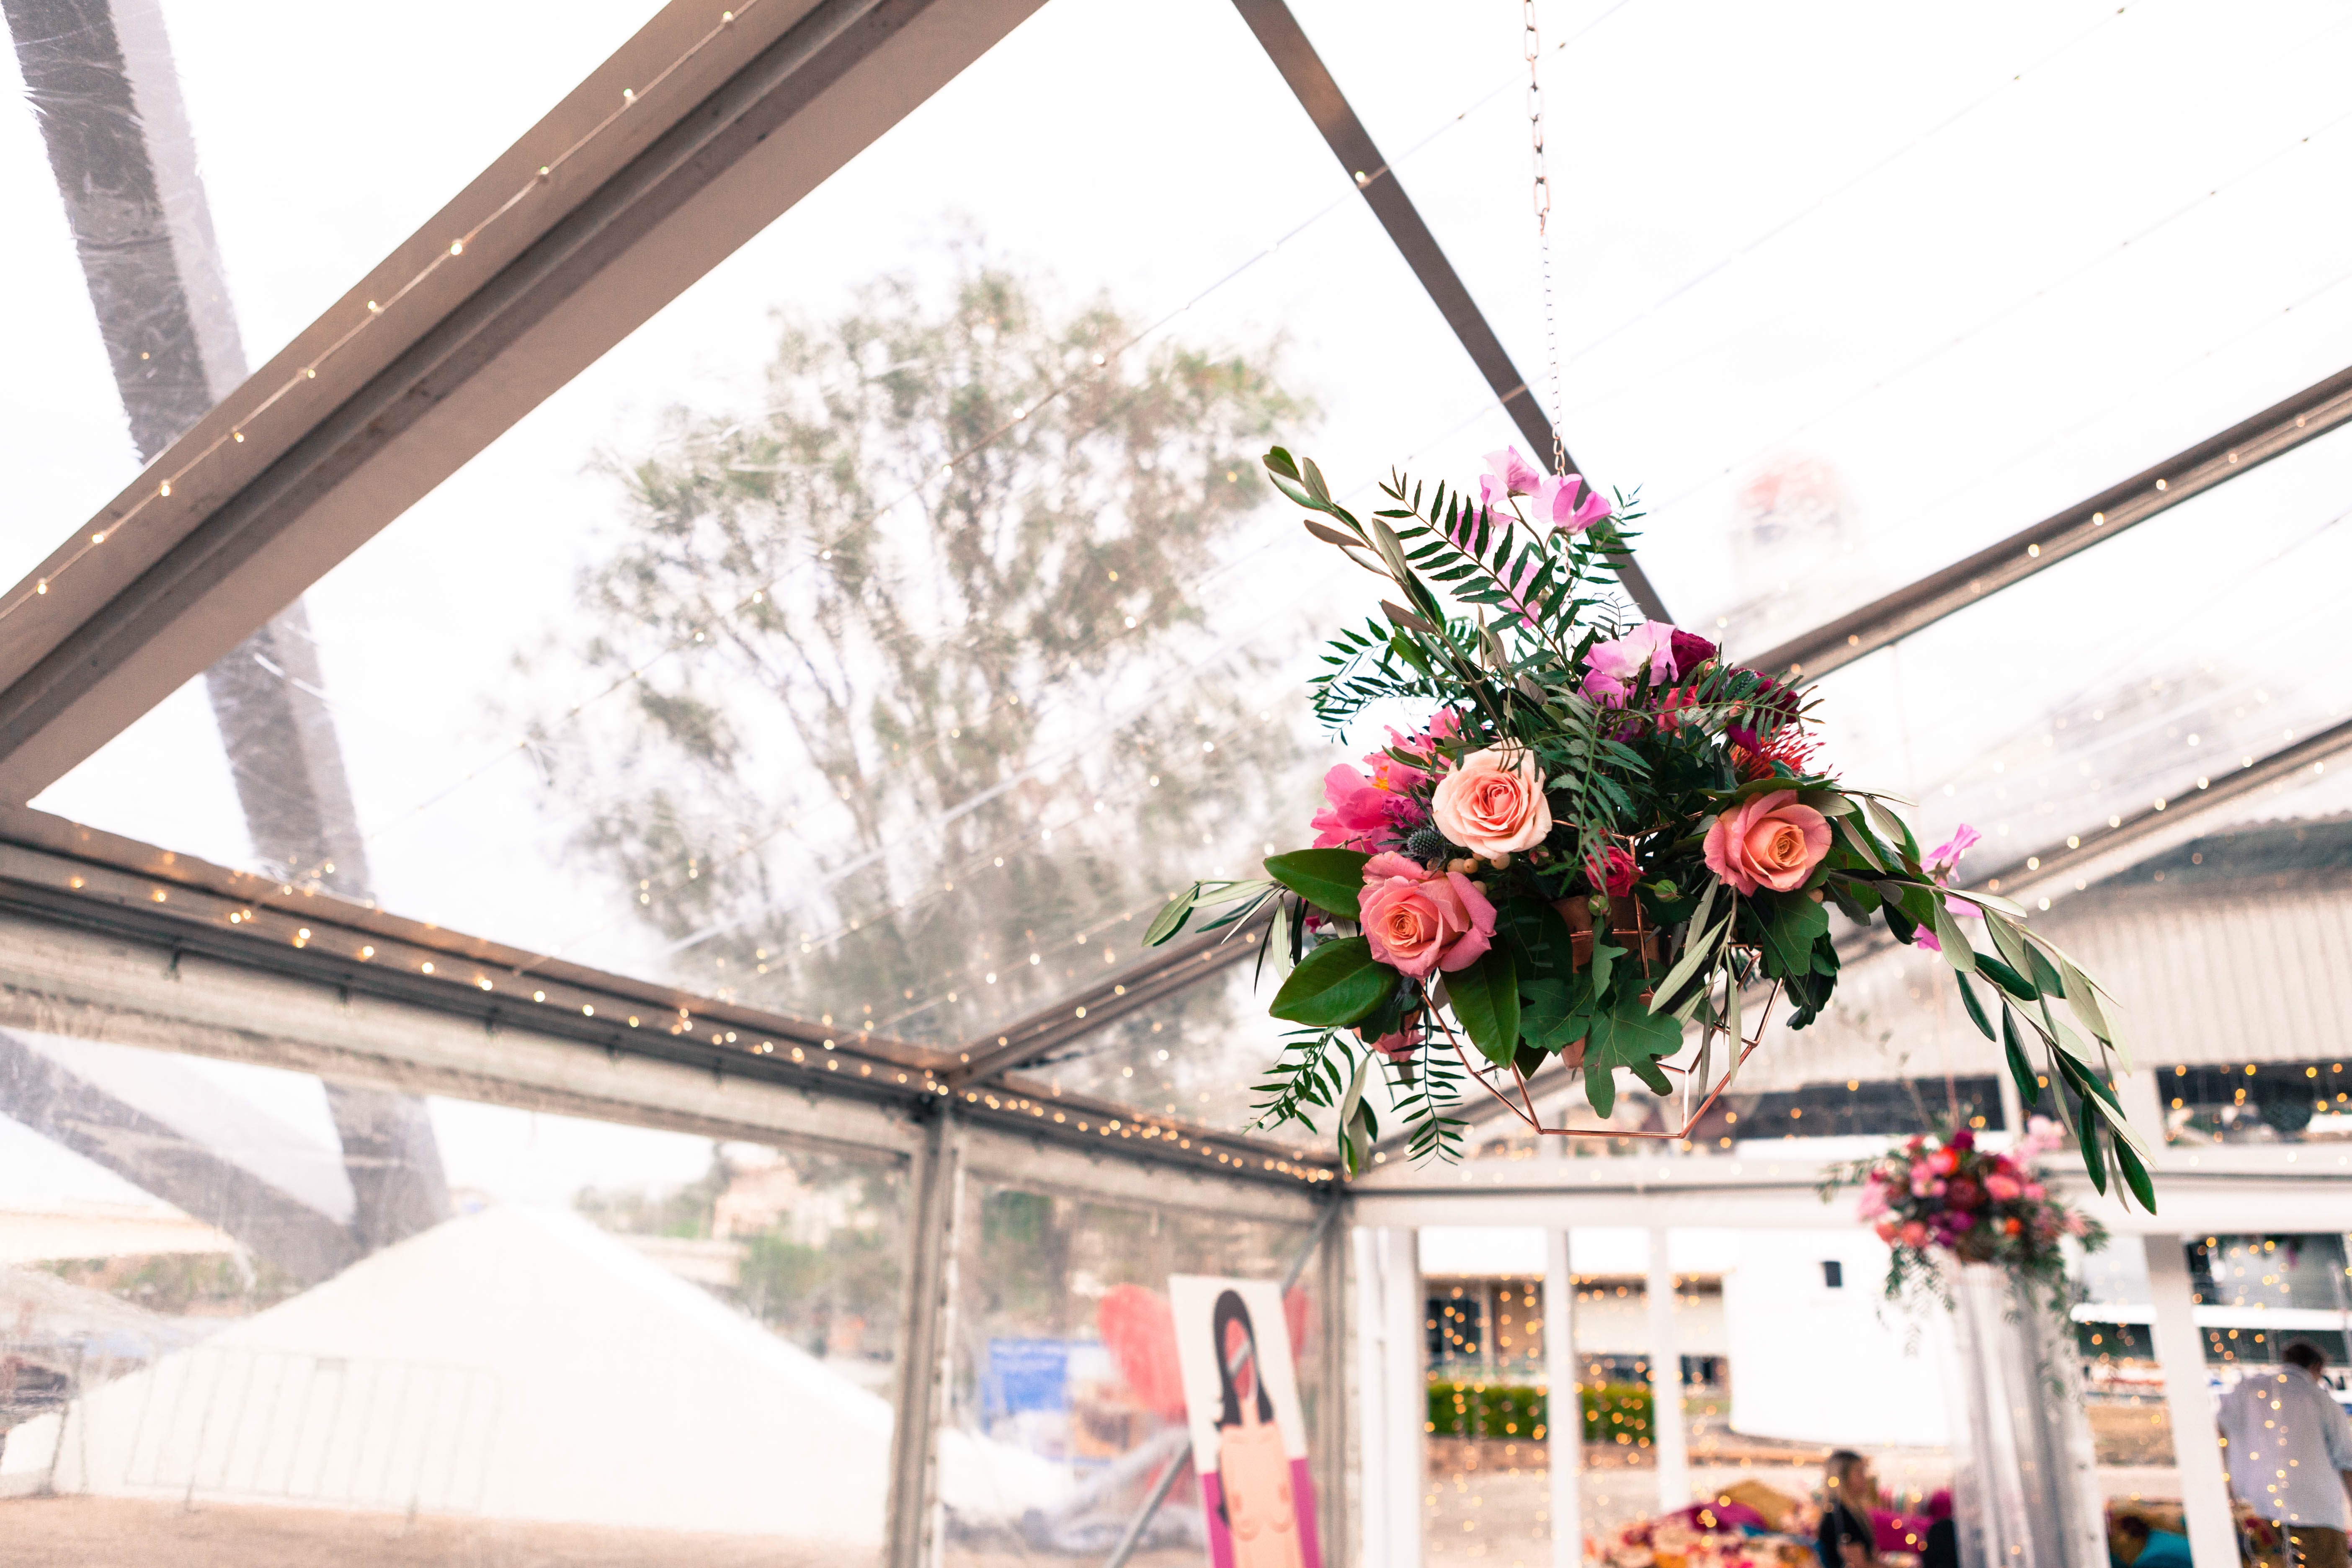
<point x="2004" y="1189"/>
<point x="1768" y="841"/>
<point x="1914" y="1235"/>
<point x="1493" y="803"/>
<point x="1874" y="1201"/>
<point x="1419" y="920"/>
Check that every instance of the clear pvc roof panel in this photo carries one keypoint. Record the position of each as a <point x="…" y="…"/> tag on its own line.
<point x="2122" y="680"/>
<point x="327" y="134"/>
<point x="1852" y="295"/>
<point x="887" y="629"/>
<point x="288" y="147"/>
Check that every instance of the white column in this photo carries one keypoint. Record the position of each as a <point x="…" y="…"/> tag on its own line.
<point x="2196" y="1446"/>
<point x="1666" y="1438"/>
<point x="1564" y="1404"/>
<point x="1394" y="1396"/>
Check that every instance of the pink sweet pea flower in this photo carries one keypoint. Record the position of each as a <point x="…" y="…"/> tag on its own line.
<point x="1941" y="862"/>
<point x="1507" y="474"/>
<point x="1419" y="920"/>
<point x="1945" y="858"/>
<point x="1655" y="652"/>
<point x="1556" y="504"/>
<point x="1874" y="1201"/>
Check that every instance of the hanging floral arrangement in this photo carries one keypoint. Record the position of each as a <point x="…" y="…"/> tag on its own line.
<point x="1942" y="1198"/>
<point x="1608" y="851"/>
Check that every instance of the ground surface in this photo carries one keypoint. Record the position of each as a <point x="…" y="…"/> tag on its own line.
<point x="114" y="1532"/>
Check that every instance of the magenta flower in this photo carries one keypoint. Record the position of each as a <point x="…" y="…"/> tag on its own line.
<point x="1557" y="502"/>
<point x="1357" y="814"/>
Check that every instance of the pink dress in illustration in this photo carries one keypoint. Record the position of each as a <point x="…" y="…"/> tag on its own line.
<point x="1253" y="1471"/>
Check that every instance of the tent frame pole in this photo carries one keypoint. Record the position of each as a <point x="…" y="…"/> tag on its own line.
<point x="912" y="1536"/>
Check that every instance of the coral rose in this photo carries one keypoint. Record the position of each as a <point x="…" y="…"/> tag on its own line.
<point x="1493" y="802"/>
<point x="1419" y="920"/>
<point x="1768" y="841"/>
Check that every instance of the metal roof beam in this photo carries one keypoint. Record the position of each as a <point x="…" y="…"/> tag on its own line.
<point x="1285" y="43"/>
<point x="1159" y="974"/>
<point x="2273" y="433"/>
<point x="687" y="141"/>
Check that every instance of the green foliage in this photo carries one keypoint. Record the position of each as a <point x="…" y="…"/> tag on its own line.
<point x="1504" y="1411"/>
<point x="1337" y="984"/>
<point x="855" y="629"/>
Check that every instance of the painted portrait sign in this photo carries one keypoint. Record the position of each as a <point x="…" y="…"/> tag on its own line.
<point x="1249" y="1434"/>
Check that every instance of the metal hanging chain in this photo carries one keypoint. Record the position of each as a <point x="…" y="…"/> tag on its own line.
<point x="1534" y="50"/>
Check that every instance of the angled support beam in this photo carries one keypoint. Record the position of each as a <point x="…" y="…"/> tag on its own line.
<point x="1285" y="42"/>
<point x="577" y="235"/>
<point x="2273" y="433"/>
<point x="2142" y="833"/>
<point x="1161" y="973"/>
<point x="99" y="78"/>
<point x="62" y="1106"/>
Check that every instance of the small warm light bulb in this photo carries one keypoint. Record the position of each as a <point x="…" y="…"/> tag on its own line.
<point x="167" y="487"/>
<point x="456" y="247"/>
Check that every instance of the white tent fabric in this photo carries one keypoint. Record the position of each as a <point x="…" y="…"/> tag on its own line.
<point x="519" y="1363"/>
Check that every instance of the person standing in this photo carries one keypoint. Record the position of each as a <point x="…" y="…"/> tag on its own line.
<point x="2289" y="1452"/>
<point x="1847" y="1540"/>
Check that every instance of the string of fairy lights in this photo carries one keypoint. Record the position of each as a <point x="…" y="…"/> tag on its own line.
<point x="458" y="249"/>
<point x="1006" y="427"/>
<point x="820" y="551"/>
<point x="992" y="857"/>
<point x="377" y="310"/>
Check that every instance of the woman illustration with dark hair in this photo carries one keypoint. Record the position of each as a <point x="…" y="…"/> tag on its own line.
<point x="1253" y="1469"/>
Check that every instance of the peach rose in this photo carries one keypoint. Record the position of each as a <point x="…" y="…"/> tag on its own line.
<point x="1493" y="802"/>
<point x="1768" y="841"/>
<point x="1418" y="921"/>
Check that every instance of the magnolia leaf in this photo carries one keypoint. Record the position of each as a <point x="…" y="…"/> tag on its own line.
<point x="1975" y="1008"/>
<point x="2136" y="1176"/>
<point x="1705" y="904"/>
<point x="1957" y="953"/>
<point x="1407" y="619"/>
<point x="1693" y="956"/>
<point x="2029" y="1084"/>
<point x="1392" y="550"/>
<point x="1172" y="917"/>
<point x="1888" y="827"/>
<point x="1314" y="477"/>
<point x="1336" y="984"/>
<point x="1330" y="880"/>
<point x="1985" y="901"/>
<point x="1738" y="1047"/>
<point x="1485" y="997"/>
<point x="1860" y="844"/>
<point x="1349" y="1104"/>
